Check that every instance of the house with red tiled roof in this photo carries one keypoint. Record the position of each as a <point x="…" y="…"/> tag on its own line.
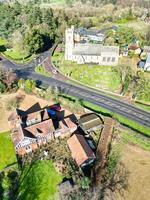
<point x="80" y="150"/>
<point x="29" y="131"/>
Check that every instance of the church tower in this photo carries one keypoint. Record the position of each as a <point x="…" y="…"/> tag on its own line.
<point x="69" y="43"/>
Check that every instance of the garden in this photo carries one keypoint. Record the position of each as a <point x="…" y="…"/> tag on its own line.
<point x="7" y="152"/>
<point x="39" y="181"/>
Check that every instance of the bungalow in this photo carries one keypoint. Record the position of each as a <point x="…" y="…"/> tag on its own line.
<point x="80" y="150"/>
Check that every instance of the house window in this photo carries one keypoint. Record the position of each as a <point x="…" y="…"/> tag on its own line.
<point x="104" y="59"/>
<point x="28" y="147"/>
<point x="113" y="59"/>
<point x="108" y="59"/>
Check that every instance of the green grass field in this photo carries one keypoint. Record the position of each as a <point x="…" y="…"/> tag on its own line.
<point x="17" y="56"/>
<point x="7" y="153"/>
<point x="101" y="77"/>
<point x="3" y="42"/>
<point x="39" y="181"/>
<point x="137" y="25"/>
<point x="136" y="139"/>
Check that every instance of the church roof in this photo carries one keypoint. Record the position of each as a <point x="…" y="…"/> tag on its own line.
<point x="94" y="49"/>
<point x="85" y="31"/>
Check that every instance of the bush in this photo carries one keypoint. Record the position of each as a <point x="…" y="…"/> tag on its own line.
<point x="2" y="87"/>
<point x="41" y="70"/>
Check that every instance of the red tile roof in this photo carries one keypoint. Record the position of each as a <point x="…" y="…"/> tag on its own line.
<point x="42" y="128"/>
<point x="80" y="149"/>
<point x="41" y="115"/>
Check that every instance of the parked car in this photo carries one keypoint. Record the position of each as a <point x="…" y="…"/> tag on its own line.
<point x="55" y="107"/>
<point x="54" y="71"/>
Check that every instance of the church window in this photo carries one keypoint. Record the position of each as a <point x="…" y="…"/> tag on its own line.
<point x="108" y="59"/>
<point x="113" y="59"/>
<point x="104" y="59"/>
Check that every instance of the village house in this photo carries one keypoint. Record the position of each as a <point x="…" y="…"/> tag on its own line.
<point x="83" y="34"/>
<point x="80" y="150"/>
<point x="85" y="52"/>
<point x="29" y="131"/>
<point x="145" y="63"/>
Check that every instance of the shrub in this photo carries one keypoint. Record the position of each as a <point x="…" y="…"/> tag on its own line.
<point x="29" y="85"/>
<point x="2" y="87"/>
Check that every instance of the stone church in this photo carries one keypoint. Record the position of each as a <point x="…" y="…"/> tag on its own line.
<point x="83" y="52"/>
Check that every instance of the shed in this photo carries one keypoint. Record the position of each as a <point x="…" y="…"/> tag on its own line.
<point x="90" y="122"/>
<point x="80" y="150"/>
<point x="65" y="188"/>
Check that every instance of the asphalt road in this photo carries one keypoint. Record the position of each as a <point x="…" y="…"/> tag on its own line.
<point x="116" y="106"/>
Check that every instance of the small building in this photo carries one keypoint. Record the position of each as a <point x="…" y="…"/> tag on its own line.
<point x="135" y="49"/>
<point x="141" y="64"/>
<point x="90" y="122"/>
<point x="146" y="49"/>
<point x="80" y="150"/>
<point x="147" y="64"/>
<point x="65" y="188"/>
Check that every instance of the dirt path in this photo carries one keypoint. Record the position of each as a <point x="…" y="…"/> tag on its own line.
<point x="137" y="162"/>
<point x="102" y="150"/>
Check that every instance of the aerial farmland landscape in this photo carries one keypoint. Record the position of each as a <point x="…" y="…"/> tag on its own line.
<point x="74" y="100"/>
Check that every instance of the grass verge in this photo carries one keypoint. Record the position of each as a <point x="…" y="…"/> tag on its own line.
<point x="41" y="70"/>
<point x="143" y="106"/>
<point x="16" y="56"/>
<point x="127" y="122"/>
<point x="7" y="153"/>
<point x="136" y="139"/>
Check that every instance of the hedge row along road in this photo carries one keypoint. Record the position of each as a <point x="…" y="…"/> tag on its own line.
<point x="115" y="106"/>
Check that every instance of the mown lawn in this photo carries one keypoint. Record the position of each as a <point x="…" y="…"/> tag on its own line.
<point x="17" y="56"/>
<point x="101" y="77"/>
<point x="7" y="153"/>
<point x="39" y="181"/>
